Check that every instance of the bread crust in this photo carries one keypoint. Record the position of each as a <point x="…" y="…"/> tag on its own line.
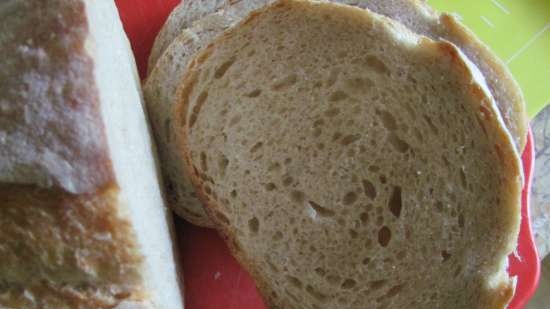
<point x="500" y="286"/>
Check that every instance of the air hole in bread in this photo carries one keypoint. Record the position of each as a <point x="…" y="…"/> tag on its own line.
<point x="236" y="119"/>
<point x="393" y="291"/>
<point x="350" y="198"/>
<point x="320" y="271"/>
<point x="256" y="147"/>
<point x="461" y="220"/>
<point x="388" y="121"/>
<point x="369" y="189"/>
<point x="353" y="233"/>
<point x="197" y="108"/>
<point x="383" y="179"/>
<point x="349" y="284"/>
<point x="376" y="65"/>
<point x="288" y="160"/>
<point x="223" y="68"/>
<point x="270" y="186"/>
<point x="366" y="261"/>
<point x="284" y="82"/>
<point x="349" y="139"/>
<point x="277" y="236"/>
<point x="338" y="95"/>
<point x="316" y="294"/>
<point x="233" y="193"/>
<point x="317" y="132"/>
<point x="297" y="196"/>
<point x="223" y="162"/>
<point x="395" y="203"/>
<point x="287" y="181"/>
<point x="384" y="236"/>
<point x="321" y="211"/>
<point x="320" y="146"/>
<point x="204" y="163"/>
<point x="445" y="256"/>
<point x="274" y="166"/>
<point x="364" y="217"/>
<point x="294" y="281"/>
<point x="398" y="144"/>
<point x="254" y="93"/>
<point x="336" y="136"/>
<point x="253" y="225"/>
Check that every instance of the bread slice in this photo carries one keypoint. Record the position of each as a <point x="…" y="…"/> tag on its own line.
<point x="159" y="93"/>
<point x="351" y="163"/>
<point x="415" y="14"/>
<point x="82" y="219"/>
<point x="163" y="79"/>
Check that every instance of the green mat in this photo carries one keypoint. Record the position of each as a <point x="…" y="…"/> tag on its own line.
<point x="519" y="32"/>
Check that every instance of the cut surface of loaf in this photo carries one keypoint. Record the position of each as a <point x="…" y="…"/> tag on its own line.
<point x="351" y="163"/>
<point x="166" y="71"/>
<point x="79" y="190"/>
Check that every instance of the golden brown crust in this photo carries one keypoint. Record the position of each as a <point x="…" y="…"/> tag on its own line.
<point x="51" y="131"/>
<point x="489" y="119"/>
<point x="60" y="250"/>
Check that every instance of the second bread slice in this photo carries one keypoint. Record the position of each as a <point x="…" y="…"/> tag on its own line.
<point x="351" y="163"/>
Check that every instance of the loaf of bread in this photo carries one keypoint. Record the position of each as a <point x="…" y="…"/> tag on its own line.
<point x="350" y="163"/>
<point x="82" y="218"/>
<point x="166" y="71"/>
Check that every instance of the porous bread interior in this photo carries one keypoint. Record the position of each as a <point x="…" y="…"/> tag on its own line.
<point x="351" y="163"/>
<point x="166" y="75"/>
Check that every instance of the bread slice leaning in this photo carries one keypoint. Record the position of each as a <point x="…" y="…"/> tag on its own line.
<point x="159" y="89"/>
<point x="82" y="219"/>
<point x="351" y="163"/>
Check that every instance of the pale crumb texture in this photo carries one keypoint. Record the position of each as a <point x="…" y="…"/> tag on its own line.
<point x="218" y="15"/>
<point x="51" y="133"/>
<point x="351" y="163"/>
<point x="60" y="250"/>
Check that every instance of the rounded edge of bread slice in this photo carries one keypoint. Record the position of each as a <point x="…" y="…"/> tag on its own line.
<point x="498" y="287"/>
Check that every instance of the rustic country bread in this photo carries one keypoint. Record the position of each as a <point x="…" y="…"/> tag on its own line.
<point x="163" y="79"/>
<point x="82" y="219"/>
<point x="351" y="163"/>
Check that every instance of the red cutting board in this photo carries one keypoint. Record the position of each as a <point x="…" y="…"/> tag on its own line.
<point x="213" y="279"/>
